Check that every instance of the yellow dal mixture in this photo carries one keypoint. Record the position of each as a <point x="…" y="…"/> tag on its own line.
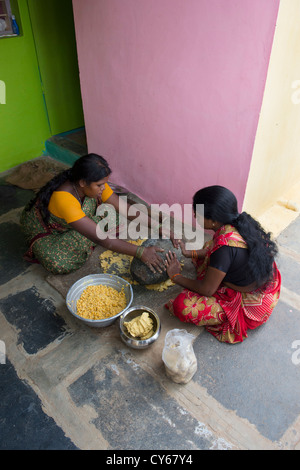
<point x="140" y="327"/>
<point x="100" y="302"/>
<point x="119" y="264"/>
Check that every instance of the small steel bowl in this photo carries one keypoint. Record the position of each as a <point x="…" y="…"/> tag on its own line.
<point x="109" y="280"/>
<point x="129" y="315"/>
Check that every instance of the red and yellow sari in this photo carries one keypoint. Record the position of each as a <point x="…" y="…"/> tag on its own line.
<point x="228" y="314"/>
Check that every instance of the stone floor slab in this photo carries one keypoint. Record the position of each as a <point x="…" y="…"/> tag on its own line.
<point x="290" y="271"/>
<point x="23" y="423"/>
<point x="287" y="237"/>
<point x="12" y="197"/>
<point x="256" y="378"/>
<point x="12" y="248"/>
<point x="133" y="411"/>
<point x="35" y="319"/>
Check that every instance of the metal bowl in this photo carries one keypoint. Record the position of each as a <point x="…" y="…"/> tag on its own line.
<point x="109" y="280"/>
<point x="129" y="315"/>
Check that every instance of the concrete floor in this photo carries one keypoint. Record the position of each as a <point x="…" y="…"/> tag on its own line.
<point x="67" y="386"/>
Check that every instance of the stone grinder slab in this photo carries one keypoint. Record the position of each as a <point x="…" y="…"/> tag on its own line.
<point x="140" y="271"/>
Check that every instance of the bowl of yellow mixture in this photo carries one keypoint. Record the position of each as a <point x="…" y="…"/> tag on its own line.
<point x="139" y="327"/>
<point x="99" y="299"/>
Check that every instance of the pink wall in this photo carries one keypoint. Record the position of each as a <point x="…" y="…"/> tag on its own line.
<point x="172" y="90"/>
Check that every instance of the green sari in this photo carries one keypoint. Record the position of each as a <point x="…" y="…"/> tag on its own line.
<point x="57" y="246"/>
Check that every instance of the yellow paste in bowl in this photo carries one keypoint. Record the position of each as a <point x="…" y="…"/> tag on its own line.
<point x="140" y="327"/>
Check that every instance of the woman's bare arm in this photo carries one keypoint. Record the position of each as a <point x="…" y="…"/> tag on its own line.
<point x="207" y="286"/>
<point x="145" y="216"/>
<point x="88" y="228"/>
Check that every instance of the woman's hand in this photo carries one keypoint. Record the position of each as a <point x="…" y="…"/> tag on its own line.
<point x="173" y="265"/>
<point x="194" y="254"/>
<point x="152" y="260"/>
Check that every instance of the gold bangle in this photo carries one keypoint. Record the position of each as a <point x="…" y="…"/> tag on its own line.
<point x="139" y="252"/>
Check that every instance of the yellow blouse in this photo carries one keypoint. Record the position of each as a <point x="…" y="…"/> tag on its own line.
<point x="66" y="206"/>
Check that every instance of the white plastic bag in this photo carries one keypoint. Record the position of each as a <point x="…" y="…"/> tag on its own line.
<point x="178" y="356"/>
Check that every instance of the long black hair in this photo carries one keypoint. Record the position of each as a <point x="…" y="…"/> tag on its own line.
<point x="89" y="168"/>
<point x="220" y="205"/>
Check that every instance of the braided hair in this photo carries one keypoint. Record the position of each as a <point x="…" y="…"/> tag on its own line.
<point x="90" y="168"/>
<point x="220" y="205"/>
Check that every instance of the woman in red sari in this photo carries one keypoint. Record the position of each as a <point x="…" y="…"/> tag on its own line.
<point x="238" y="283"/>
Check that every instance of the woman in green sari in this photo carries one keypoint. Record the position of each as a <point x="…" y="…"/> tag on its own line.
<point x="61" y="226"/>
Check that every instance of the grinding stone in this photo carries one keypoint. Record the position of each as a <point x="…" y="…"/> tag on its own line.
<point x="140" y="271"/>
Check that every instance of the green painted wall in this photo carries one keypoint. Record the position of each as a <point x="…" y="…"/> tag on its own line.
<point x="40" y="72"/>
<point x="23" y="120"/>
<point x="54" y="33"/>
